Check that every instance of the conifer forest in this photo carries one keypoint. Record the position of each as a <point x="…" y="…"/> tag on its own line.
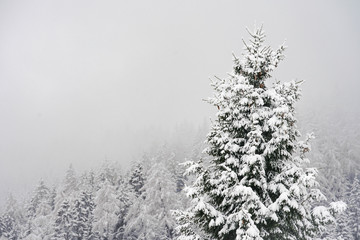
<point x="277" y="160"/>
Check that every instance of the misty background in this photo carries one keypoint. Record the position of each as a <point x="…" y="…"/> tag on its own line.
<point x="86" y="81"/>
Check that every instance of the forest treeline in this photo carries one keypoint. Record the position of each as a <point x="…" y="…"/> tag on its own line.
<point x="110" y="203"/>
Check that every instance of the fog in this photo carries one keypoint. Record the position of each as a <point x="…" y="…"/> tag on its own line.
<point x="85" y="81"/>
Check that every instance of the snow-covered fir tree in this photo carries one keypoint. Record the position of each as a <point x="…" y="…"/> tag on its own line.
<point x="8" y="228"/>
<point x="354" y="207"/>
<point x="342" y="229"/>
<point x="70" y="182"/>
<point x="68" y="190"/>
<point x="255" y="186"/>
<point x="126" y="197"/>
<point x="63" y="220"/>
<point x="137" y="179"/>
<point x="2" y="227"/>
<point x="82" y="217"/>
<point x="39" y="213"/>
<point x="11" y="220"/>
<point x="107" y="173"/>
<point x="107" y="207"/>
<point x="150" y="217"/>
<point x="41" y="197"/>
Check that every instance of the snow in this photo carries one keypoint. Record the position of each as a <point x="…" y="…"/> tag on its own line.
<point x="256" y="167"/>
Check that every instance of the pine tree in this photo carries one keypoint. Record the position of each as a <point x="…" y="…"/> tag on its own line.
<point x="9" y="228"/>
<point x="2" y="227"/>
<point x="107" y="207"/>
<point x="63" y="222"/>
<point x="126" y="198"/>
<point x="70" y="181"/>
<point x="39" y="212"/>
<point x="40" y="197"/>
<point x="68" y="190"/>
<point x="343" y="228"/>
<point x="91" y="182"/>
<point x="354" y="207"/>
<point x="107" y="173"/>
<point x="53" y="198"/>
<point x="255" y="186"/>
<point x="82" y="217"/>
<point x="11" y="219"/>
<point x="149" y="217"/>
<point x="137" y="179"/>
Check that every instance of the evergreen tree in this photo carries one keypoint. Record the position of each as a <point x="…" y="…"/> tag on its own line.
<point x="354" y="207"/>
<point x="68" y="190"/>
<point x="9" y="228"/>
<point x="53" y="198"/>
<point x="39" y="213"/>
<point x="255" y="186"/>
<point x="126" y="198"/>
<point x="70" y="182"/>
<point x="2" y="227"/>
<point x="82" y="217"/>
<point x="11" y="220"/>
<point x="137" y="179"/>
<point x="149" y="217"/>
<point x="342" y="228"/>
<point x="91" y="182"/>
<point x="40" y="197"/>
<point x="107" y="207"/>
<point x="63" y="222"/>
<point x="107" y="173"/>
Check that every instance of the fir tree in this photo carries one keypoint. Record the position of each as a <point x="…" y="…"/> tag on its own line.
<point x="8" y="227"/>
<point x="342" y="228"/>
<point x="91" y="182"/>
<point x="39" y="213"/>
<point x="137" y="179"/>
<point x="11" y="220"/>
<point x="63" y="222"/>
<point x="82" y="217"/>
<point x="255" y="186"/>
<point x="70" y="181"/>
<point x="68" y="190"/>
<point x="354" y="207"/>
<point x="107" y="173"/>
<point x="2" y="227"/>
<point x="107" y="207"/>
<point x="149" y="217"/>
<point x="52" y="198"/>
<point x="40" y="197"/>
<point x="126" y="198"/>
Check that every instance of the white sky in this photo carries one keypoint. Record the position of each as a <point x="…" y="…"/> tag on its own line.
<point x="81" y="80"/>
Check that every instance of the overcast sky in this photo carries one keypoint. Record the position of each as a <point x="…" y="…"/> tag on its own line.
<point x="81" y="81"/>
